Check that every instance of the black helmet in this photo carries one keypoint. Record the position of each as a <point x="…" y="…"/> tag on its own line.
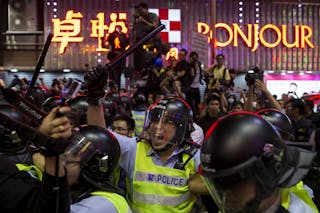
<point x="280" y="121"/>
<point x="126" y="104"/>
<point x="13" y="113"/>
<point x="100" y="154"/>
<point x="51" y="103"/>
<point x="243" y="146"/>
<point x="139" y="101"/>
<point x="174" y="110"/>
<point x="110" y="110"/>
<point x="114" y="96"/>
<point x="10" y="142"/>
<point x="79" y="106"/>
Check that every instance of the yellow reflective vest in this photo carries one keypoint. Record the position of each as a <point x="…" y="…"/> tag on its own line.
<point x="158" y="188"/>
<point x="118" y="201"/>
<point x="32" y="169"/>
<point x="138" y="117"/>
<point x="297" y="199"/>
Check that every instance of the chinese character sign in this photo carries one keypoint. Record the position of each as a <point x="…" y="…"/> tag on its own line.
<point x="67" y="30"/>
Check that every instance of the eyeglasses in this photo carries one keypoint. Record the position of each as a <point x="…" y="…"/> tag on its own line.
<point x="118" y="128"/>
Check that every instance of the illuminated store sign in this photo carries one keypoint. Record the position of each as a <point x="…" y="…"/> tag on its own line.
<point x="69" y="30"/>
<point x="256" y="35"/>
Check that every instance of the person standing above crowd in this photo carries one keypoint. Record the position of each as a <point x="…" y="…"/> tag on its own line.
<point x="217" y="76"/>
<point x="193" y="96"/>
<point x="182" y="71"/>
<point x="144" y="23"/>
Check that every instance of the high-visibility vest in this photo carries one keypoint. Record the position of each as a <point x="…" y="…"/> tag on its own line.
<point x="118" y="201"/>
<point x="158" y="188"/>
<point x="31" y="169"/>
<point x="138" y="117"/>
<point x="297" y="199"/>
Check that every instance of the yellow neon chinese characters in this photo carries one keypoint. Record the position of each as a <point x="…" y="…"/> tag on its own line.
<point x="99" y="27"/>
<point x="97" y="31"/>
<point x="67" y="30"/>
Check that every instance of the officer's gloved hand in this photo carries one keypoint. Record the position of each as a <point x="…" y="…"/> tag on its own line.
<point x="95" y="81"/>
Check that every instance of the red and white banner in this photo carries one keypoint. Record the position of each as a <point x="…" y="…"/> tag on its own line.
<point x="171" y="18"/>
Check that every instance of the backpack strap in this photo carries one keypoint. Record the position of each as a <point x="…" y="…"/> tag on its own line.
<point x="224" y="73"/>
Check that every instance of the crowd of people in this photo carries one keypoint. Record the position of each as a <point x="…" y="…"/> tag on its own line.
<point x="160" y="147"/>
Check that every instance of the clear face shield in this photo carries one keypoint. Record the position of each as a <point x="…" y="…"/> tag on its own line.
<point x="231" y="194"/>
<point x="163" y="128"/>
<point x="79" y="145"/>
<point x="233" y="189"/>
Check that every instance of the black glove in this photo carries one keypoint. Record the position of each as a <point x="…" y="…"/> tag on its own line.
<point x="95" y="81"/>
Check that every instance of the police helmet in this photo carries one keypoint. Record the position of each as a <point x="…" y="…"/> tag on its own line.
<point x="126" y="103"/>
<point x="139" y="101"/>
<point x="110" y="110"/>
<point x="242" y="146"/>
<point x="114" y="96"/>
<point x="100" y="154"/>
<point x="51" y="103"/>
<point x="172" y="110"/>
<point x="79" y="106"/>
<point x="13" y="113"/>
<point x="280" y="121"/>
<point x="10" y="142"/>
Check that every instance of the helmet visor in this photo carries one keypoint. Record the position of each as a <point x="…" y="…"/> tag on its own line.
<point x="80" y="148"/>
<point x="231" y="188"/>
<point x="233" y="196"/>
<point x="161" y="126"/>
<point x="216" y="194"/>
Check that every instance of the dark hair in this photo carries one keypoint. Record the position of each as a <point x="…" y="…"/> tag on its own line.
<point x="309" y="104"/>
<point x="213" y="98"/>
<point x="130" y="122"/>
<point x="55" y="82"/>
<point x="219" y="56"/>
<point x="184" y="50"/>
<point x="298" y="103"/>
<point x="232" y="70"/>
<point x="234" y="104"/>
<point x="143" y="5"/>
<point x="193" y="53"/>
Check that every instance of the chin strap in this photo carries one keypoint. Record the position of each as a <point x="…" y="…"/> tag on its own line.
<point x="189" y="148"/>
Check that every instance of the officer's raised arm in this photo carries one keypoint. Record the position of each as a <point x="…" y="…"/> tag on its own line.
<point x="95" y="80"/>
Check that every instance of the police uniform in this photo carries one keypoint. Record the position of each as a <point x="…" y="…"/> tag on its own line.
<point x="156" y="186"/>
<point x="101" y="202"/>
<point x="296" y="199"/>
